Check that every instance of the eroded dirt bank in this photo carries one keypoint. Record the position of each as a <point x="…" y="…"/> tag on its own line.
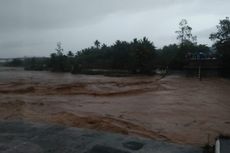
<point x="175" y="108"/>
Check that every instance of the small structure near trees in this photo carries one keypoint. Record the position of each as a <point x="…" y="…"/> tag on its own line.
<point x="201" y="65"/>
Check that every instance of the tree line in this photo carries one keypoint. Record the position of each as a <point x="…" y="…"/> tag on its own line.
<point x="139" y="55"/>
<point x="136" y="56"/>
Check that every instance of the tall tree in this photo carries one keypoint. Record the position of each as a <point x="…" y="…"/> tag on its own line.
<point x="187" y="43"/>
<point x="223" y="32"/>
<point x="57" y="60"/>
<point x="222" y="43"/>
<point x="143" y="53"/>
<point x="185" y="33"/>
<point x="59" y="49"/>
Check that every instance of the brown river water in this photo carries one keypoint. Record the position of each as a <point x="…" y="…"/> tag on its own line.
<point x="174" y="108"/>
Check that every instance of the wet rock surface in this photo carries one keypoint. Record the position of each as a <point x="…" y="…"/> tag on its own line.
<point x="133" y="145"/>
<point x="105" y="149"/>
<point x="24" y="137"/>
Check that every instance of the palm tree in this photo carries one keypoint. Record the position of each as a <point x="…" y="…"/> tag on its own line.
<point x="97" y="44"/>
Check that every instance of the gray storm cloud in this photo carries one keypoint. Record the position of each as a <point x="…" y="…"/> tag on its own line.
<point x="45" y="14"/>
<point x="32" y="27"/>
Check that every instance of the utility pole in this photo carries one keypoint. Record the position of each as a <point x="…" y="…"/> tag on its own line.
<point x="199" y="72"/>
<point x="199" y="67"/>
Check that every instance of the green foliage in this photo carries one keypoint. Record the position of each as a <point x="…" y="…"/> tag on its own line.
<point x="223" y="32"/>
<point x="222" y="44"/>
<point x="142" y="53"/>
<point x="167" y="55"/>
<point x="136" y="56"/>
<point x="188" y="44"/>
<point x="36" y="63"/>
<point x="122" y="57"/>
<point x="60" y="62"/>
<point x="185" y="33"/>
<point x="15" y="63"/>
<point x="175" y="57"/>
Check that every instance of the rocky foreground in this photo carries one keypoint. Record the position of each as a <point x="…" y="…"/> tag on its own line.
<point x="24" y="137"/>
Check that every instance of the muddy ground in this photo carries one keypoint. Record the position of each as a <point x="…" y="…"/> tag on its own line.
<point x="175" y="108"/>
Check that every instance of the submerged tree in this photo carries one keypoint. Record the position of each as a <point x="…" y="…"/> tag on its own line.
<point x="187" y="43"/>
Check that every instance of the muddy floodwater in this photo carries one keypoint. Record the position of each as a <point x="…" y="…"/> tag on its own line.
<point x="174" y="108"/>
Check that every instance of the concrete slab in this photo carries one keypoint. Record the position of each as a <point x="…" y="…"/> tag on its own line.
<point x="24" y="137"/>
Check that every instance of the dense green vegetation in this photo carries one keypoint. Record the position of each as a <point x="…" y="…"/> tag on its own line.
<point x="222" y="44"/>
<point x="139" y="56"/>
<point x="15" y="63"/>
<point x="175" y="57"/>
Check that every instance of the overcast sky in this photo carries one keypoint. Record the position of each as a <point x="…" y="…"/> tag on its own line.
<point x="33" y="27"/>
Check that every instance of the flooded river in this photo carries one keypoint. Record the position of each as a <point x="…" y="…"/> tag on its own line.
<point x="174" y="108"/>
